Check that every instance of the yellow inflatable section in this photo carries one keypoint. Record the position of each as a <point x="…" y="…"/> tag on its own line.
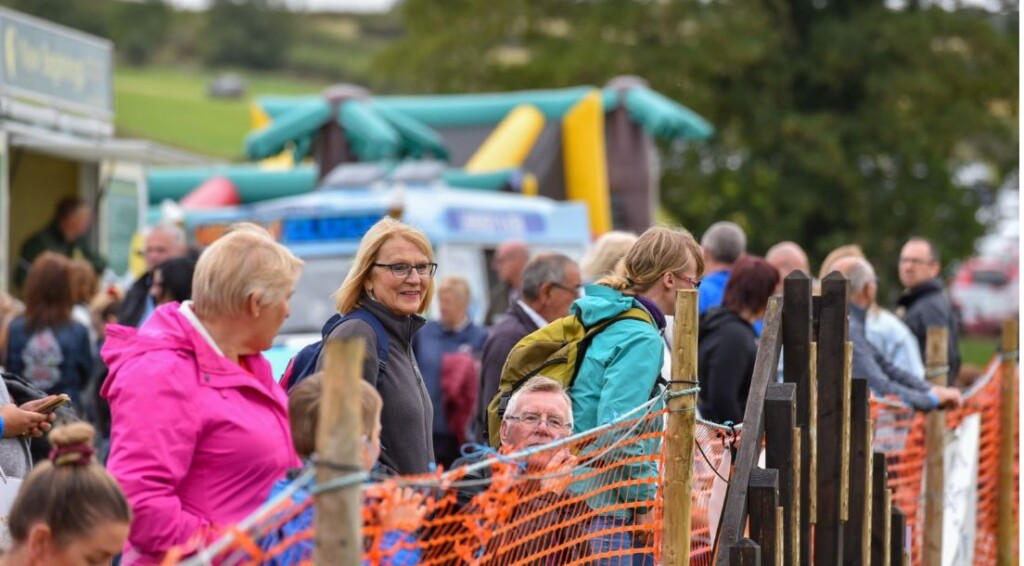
<point x="258" y="117"/>
<point x="586" y="168"/>
<point x="510" y="142"/>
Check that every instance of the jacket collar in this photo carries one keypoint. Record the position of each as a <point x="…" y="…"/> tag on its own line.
<point x="912" y="295"/>
<point x="401" y="327"/>
<point x="170" y="329"/>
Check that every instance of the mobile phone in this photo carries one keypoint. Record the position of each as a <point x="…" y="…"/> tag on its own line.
<point x="54" y="404"/>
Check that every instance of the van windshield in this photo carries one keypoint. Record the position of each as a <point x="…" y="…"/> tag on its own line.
<point x="313" y="301"/>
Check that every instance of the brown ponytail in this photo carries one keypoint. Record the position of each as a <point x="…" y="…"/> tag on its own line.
<point x="70" y="493"/>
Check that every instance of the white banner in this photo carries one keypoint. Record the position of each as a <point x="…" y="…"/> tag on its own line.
<point x="960" y="508"/>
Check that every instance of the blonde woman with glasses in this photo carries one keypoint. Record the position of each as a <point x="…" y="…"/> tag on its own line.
<point x="391" y="283"/>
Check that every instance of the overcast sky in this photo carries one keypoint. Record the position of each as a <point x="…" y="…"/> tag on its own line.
<point x="332" y="5"/>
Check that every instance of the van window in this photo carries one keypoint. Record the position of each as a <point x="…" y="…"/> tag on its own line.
<point x="313" y="301"/>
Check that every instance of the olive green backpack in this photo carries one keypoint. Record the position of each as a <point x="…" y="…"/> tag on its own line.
<point x="556" y="351"/>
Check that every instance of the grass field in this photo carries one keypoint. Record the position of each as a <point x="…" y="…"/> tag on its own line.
<point x="170" y="106"/>
<point x="977" y="350"/>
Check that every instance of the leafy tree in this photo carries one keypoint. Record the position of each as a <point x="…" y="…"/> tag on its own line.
<point x="139" y="28"/>
<point x="838" y="120"/>
<point x="89" y="16"/>
<point x="254" y="34"/>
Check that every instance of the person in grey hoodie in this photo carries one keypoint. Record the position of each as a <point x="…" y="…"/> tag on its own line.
<point x="392" y="279"/>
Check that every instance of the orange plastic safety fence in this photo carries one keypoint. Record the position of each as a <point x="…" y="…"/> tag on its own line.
<point x="596" y="496"/>
<point x="900" y="432"/>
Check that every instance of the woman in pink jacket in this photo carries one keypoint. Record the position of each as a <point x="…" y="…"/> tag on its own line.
<point x="200" y="428"/>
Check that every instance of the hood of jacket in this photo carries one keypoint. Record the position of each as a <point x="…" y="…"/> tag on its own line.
<point x="718" y="318"/>
<point x="168" y="333"/>
<point x="601" y="303"/>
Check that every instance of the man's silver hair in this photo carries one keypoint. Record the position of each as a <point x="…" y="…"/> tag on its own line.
<point x="544" y="268"/>
<point x="858" y="271"/>
<point x="538" y="384"/>
<point x="724" y="241"/>
<point x="172" y="228"/>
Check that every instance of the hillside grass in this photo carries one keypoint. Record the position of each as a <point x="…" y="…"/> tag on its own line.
<point x="170" y="105"/>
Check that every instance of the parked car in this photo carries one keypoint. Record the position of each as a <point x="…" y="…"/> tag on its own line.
<point x="228" y="85"/>
<point x="985" y="292"/>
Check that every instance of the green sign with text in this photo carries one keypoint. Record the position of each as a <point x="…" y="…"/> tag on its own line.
<point x="55" y="65"/>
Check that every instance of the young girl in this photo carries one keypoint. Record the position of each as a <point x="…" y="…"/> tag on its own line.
<point x="70" y="511"/>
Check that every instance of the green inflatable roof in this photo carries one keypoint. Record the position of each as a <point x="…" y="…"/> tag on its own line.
<point x="393" y="127"/>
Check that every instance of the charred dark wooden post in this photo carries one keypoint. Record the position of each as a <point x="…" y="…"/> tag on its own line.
<point x="744" y="552"/>
<point x="782" y="445"/>
<point x="832" y="391"/>
<point x="762" y="501"/>
<point x="797" y="338"/>
<point x="857" y="533"/>
<point x="881" y="511"/>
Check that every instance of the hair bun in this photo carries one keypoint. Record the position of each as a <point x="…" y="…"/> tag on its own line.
<point x="72" y="444"/>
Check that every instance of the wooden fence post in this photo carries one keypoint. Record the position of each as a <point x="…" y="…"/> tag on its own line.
<point x="936" y="354"/>
<point x="338" y="512"/>
<point x="857" y="531"/>
<point x="744" y="552"/>
<point x="811" y="486"/>
<point x="898" y="544"/>
<point x="798" y="353"/>
<point x="1006" y="527"/>
<point x="680" y="433"/>
<point x="832" y="389"/>
<point x="734" y="511"/>
<point x="1007" y="524"/>
<point x="762" y="501"/>
<point x="782" y="447"/>
<point x="881" y="510"/>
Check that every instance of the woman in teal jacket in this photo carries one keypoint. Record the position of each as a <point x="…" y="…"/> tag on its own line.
<point x="620" y="372"/>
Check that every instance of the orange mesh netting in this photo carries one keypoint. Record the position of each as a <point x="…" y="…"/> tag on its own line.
<point x="510" y="508"/>
<point x="900" y="432"/>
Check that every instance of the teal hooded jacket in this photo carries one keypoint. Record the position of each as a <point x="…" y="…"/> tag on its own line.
<point x="618" y="374"/>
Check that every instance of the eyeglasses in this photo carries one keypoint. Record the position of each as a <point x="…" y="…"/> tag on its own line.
<point x="533" y="420"/>
<point x="402" y="270"/>
<point x="574" y="290"/>
<point x="694" y="282"/>
<point x="915" y="261"/>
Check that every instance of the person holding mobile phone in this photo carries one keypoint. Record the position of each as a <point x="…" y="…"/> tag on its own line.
<point x="18" y="425"/>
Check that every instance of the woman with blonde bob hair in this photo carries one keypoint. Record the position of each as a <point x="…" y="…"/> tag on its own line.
<point x="199" y="425"/>
<point x="390" y="284"/>
<point x="621" y="369"/>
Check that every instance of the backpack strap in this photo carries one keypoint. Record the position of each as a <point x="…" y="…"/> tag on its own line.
<point x="633" y="313"/>
<point x="383" y="342"/>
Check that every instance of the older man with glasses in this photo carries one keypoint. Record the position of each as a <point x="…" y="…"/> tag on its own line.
<point x="539" y="413"/>
<point x="924" y="302"/>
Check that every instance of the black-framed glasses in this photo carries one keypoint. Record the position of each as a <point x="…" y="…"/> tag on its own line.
<point x="533" y="420"/>
<point x="402" y="270"/>
<point x="574" y="290"/>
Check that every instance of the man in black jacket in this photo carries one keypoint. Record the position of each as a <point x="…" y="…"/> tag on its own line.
<point x="551" y="282"/>
<point x="163" y="242"/>
<point x="924" y="302"/>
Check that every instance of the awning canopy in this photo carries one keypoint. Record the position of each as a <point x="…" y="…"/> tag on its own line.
<point x="99" y="149"/>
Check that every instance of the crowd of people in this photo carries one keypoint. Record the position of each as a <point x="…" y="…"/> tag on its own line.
<point x="196" y="432"/>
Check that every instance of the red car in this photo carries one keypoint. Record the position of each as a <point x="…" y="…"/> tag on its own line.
<point x="985" y="292"/>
